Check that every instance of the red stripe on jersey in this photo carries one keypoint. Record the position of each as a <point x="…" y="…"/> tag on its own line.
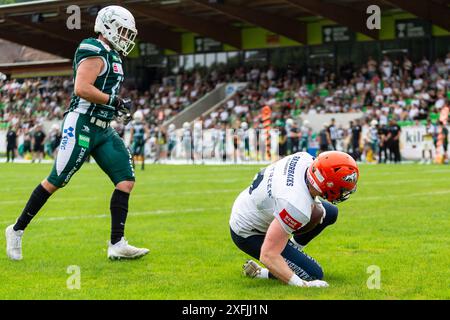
<point x="289" y="220"/>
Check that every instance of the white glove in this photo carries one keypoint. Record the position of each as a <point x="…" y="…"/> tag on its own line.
<point x="296" y="281"/>
<point x="317" y="284"/>
<point x="319" y="204"/>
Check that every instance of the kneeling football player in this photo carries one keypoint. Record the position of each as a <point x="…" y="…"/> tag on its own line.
<point x="280" y="213"/>
<point x="98" y="75"/>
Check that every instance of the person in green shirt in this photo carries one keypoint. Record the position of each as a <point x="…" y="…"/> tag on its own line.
<point x="86" y="130"/>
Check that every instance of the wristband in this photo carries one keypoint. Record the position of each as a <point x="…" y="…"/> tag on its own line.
<point x="113" y="101"/>
<point x="296" y="281"/>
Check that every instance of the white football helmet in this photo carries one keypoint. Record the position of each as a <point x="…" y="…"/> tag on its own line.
<point x="117" y="25"/>
<point x="172" y="127"/>
<point x="138" y="116"/>
<point x="306" y="123"/>
<point x="186" y="125"/>
<point x="289" y="122"/>
<point x="198" y="126"/>
<point x="244" y="125"/>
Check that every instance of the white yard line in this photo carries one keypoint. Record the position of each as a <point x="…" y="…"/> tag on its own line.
<point x="139" y="195"/>
<point x="407" y="195"/>
<point x="403" y="181"/>
<point x="132" y="214"/>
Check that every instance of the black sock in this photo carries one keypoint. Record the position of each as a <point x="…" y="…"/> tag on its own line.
<point x="37" y="199"/>
<point x="119" y="211"/>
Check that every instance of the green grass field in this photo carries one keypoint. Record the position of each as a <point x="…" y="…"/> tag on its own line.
<point x="398" y="220"/>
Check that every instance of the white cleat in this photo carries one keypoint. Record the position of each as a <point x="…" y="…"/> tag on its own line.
<point x="251" y="269"/>
<point x="13" y="243"/>
<point x="122" y="250"/>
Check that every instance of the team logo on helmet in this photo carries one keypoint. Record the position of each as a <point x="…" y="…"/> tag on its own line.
<point x="350" y="178"/>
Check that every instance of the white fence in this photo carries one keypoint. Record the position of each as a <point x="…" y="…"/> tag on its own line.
<point x="217" y="146"/>
<point x="235" y="146"/>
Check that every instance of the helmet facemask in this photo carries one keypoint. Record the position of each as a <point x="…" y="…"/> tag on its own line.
<point x="344" y="195"/>
<point x="122" y="39"/>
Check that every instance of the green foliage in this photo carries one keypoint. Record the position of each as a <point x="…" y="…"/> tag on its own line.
<point x="398" y="220"/>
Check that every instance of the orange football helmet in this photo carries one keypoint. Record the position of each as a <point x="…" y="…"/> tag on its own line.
<point x="334" y="174"/>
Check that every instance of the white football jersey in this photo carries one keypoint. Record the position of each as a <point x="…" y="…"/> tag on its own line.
<point x="278" y="191"/>
<point x="172" y="135"/>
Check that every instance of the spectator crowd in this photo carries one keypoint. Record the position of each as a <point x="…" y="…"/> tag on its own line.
<point x="389" y="93"/>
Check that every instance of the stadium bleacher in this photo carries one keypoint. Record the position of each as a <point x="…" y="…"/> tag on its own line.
<point x="317" y="72"/>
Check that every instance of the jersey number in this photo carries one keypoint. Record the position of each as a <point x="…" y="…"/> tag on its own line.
<point x="257" y="181"/>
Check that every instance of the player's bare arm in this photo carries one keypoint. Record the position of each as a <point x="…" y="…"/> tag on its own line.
<point x="87" y="73"/>
<point x="274" y="243"/>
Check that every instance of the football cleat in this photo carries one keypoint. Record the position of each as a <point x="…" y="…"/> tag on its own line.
<point x="251" y="269"/>
<point x="122" y="250"/>
<point x="13" y="243"/>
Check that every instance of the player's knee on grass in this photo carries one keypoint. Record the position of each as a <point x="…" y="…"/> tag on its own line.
<point x="303" y="265"/>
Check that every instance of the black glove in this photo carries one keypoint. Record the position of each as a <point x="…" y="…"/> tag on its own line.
<point x="122" y="108"/>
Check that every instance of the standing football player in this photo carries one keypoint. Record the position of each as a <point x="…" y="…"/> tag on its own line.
<point x="305" y="133"/>
<point x="98" y="75"/>
<point x="244" y="137"/>
<point x="139" y="132"/>
<point x="283" y="201"/>
<point x="197" y="142"/>
<point x="172" y="136"/>
<point x="186" y="139"/>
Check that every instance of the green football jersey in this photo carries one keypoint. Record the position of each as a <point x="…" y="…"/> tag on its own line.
<point x="139" y="132"/>
<point x="108" y="81"/>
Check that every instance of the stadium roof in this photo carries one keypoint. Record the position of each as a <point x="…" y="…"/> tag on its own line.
<point x="42" y="24"/>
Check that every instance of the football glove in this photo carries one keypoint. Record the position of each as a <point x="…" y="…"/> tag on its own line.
<point x="122" y="108"/>
<point x="319" y="204"/>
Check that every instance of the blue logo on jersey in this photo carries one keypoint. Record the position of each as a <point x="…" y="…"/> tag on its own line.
<point x="69" y="131"/>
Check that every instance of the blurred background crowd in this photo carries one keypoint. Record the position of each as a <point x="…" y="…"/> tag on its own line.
<point x="389" y="93"/>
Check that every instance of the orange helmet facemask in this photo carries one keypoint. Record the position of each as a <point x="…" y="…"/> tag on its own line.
<point x="334" y="174"/>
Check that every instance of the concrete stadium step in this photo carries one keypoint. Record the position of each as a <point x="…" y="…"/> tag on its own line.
<point x="207" y="103"/>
